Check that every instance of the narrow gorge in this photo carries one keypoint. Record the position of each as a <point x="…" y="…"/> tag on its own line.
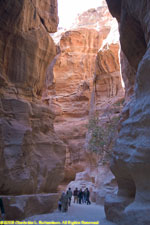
<point x="74" y="108"/>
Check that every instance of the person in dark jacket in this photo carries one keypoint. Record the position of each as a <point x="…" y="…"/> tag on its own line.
<point x="69" y="194"/>
<point x="87" y="195"/>
<point x="80" y="196"/>
<point x="75" y="194"/>
<point x="2" y="209"/>
<point x="59" y="204"/>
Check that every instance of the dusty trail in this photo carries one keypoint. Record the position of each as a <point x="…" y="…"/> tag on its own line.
<point x="76" y="212"/>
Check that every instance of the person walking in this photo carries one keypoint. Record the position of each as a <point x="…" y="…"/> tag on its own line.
<point x="69" y="194"/>
<point x="75" y="194"/>
<point x="84" y="197"/>
<point x="87" y="195"/>
<point x="59" y="204"/>
<point x="64" y="202"/>
<point x="80" y="196"/>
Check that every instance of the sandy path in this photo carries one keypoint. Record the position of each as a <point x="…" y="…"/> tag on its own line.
<point x="76" y="212"/>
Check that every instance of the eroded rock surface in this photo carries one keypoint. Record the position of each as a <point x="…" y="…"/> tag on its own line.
<point x="73" y="72"/>
<point x="107" y="85"/>
<point x="31" y="154"/>
<point x="30" y="150"/>
<point x="73" y="75"/>
<point x="23" y="206"/>
<point x="86" y="79"/>
<point x="131" y="156"/>
<point x="106" y="105"/>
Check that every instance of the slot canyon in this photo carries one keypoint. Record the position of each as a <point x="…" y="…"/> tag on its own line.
<point x="74" y="108"/>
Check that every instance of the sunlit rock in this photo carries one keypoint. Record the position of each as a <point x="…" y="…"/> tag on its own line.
<point x="86" y="67"/>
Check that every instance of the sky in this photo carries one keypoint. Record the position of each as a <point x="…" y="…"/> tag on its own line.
<point x="68" y="10"/>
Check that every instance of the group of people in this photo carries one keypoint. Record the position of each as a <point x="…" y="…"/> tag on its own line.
<point x="65" y="200"/>
<point x="82" y="196"/>
<point x="79" y="197"/>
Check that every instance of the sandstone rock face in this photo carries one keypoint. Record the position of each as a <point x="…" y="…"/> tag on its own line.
<point x="73" y="74"/>
<point x="99" y="19"/>
<point x="30" y="150"/>
<point x="31" y="154"/>
<point x="23" y="206"/>
<point x="131" y="156"/>
<point x="128" y="76"/>
<point x="107" y="85"/>
<point x="48" y="13"/>
<point x="86" y="53"/>
<point x="71" y="88"/>
<point x="26" y="43"/>
<point x="106" y="104"/>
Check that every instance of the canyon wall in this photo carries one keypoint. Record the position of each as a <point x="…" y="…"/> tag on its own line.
<point x="73" y="74"/>
<point x="130" y="163"/>
<point x="107" y="85"/>
<point x="31" y="154"/>
<point x="70" y="91"/>
<point x="86" y="80"/>
<point x="107" y="96"/>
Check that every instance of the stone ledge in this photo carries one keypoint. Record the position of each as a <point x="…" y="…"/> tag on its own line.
<point x="22" y="206"/>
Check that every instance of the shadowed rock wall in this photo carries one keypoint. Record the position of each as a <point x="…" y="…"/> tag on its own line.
<point x="105" y="106"/>
<point x="130" y="163"/>
<point x="26" y="48"/>
<point x="31" y="155"/>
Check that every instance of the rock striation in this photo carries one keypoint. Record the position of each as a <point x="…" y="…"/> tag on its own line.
<point x="31" y="154"/>
<point x="86" y="79"/>
<point x="105" y="104"/>
<point x="107" y="84"/>
<point x="130" y="163"/>
<point x="70" y="91"/>
<point x="73" y="75"/>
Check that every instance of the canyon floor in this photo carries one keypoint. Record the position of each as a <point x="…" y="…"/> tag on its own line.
<point x="76" y="212"/>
